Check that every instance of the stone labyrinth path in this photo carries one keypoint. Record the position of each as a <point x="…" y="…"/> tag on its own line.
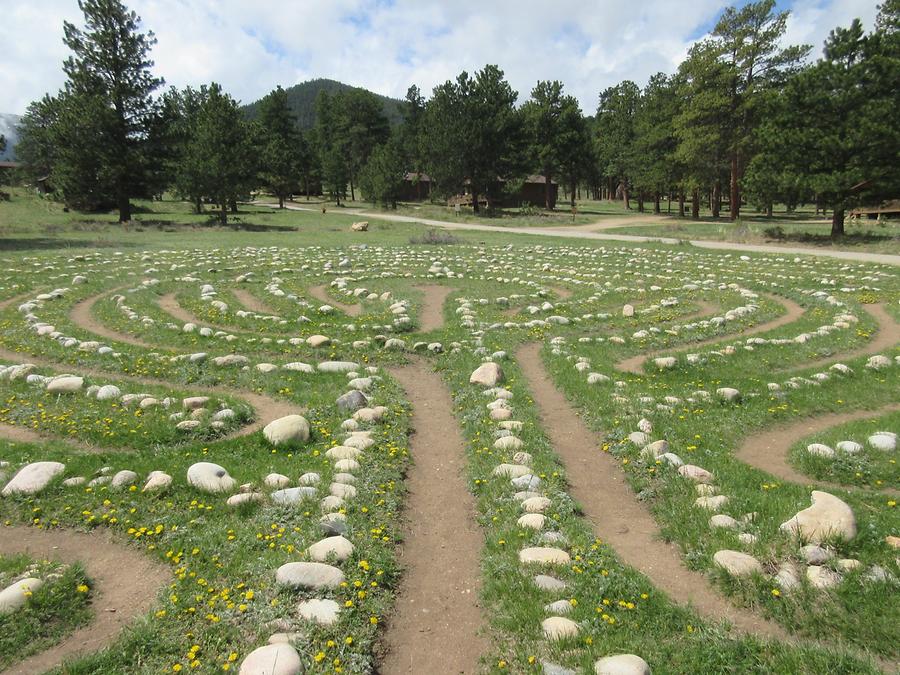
<point x="605" y="459"/>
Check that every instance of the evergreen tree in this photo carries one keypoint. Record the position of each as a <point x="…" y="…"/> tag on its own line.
<point x="473" y="132"/>
<point x="615" y="135"/>
<point x="555" y="128"/>
<point x="216" y="162"/>
<point x="746" y="45"/>
<point x="110" y="67"/>
<point x="381" y="179"/>
<point x="281" y="145"/>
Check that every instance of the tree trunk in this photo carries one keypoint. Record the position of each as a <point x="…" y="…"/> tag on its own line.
<point x="233" y="205"/>
<point x="475" y="207"/>
<point x="223" y="213"/>
<point x="198" y="205"/>
<point x="626" y="201"/>
<point x="735" y="190"/>
<point x="769" y="210"/>
<point x="716" y="204"/>
<point x="573" y="193"/>
<point x="306" y="185"/>
<point x="124" y="205"/>
<point x="681" y="205"/>
<point x="656" y="202"/>
<point x="280" y="202"/>
<point x="837" y="223"/>
<point x="547" y="189"/>
<point x="695" y="204"/>
<point x="352" y="193"/>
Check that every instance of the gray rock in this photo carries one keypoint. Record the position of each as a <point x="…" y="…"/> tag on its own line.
<point x="351" y="401"/>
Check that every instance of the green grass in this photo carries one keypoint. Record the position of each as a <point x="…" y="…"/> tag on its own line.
<point x="500" y="282"/>
<point x="56" y="609"/>
<point x="868" y="468"/>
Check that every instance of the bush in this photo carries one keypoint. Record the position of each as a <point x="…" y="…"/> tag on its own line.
<point x="435" y="238"/>
<point x="776" y="232"/>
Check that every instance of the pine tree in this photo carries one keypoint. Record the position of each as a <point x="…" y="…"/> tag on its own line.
<point x="110" y="67"/>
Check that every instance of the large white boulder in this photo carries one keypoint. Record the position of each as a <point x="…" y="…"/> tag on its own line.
<point x="828" y="517"/>
<point x="286" y="430"/>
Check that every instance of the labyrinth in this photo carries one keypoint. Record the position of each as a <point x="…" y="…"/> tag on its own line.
<point x="461" y="458"/>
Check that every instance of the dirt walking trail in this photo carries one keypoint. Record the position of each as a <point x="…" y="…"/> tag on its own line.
<point x="125" y="585"/>
<point x="82" y="315"/>
<point x="320" y="293"/>
<point x="438" y="601"/>
<point x="431" y="313"/>
<point x="793" y="311"/>
<point x="768" y="451"/>
<point x="251" y="302"/>
<point x="887" y="336"/>
<point x="618" y="518"/>
<point x="578" y="232"/>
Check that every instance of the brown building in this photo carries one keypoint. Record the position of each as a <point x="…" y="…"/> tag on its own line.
<point x="532" y="191"/>
<point x="416" y="187"/>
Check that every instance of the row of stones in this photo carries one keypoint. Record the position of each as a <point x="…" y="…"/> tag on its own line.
<point x="557" y="626"/>
<point x="829" y="518"/>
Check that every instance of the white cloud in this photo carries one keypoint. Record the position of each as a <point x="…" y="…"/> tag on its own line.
<point x="249" y="47"/>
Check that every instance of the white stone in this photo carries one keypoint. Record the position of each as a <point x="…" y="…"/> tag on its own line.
<point x="287" y="430"/>
<point x="339" y="547"/>
<point x="622" y="664"/>
<point x="15" y="595"/>
<point x="737" y="563"/>
<point x="311" y="575"/>
<point x="277" y="659"/>
<point x="827" y="517"/>
<point x="322" y="612"/>
<point x="544" y="555"/>
<point x="210" y="477"/>
<point x="65" y="384"/>
<point x="488" y="374"/>
<point x="32" y="478"/>
<point x="559" y="628"/>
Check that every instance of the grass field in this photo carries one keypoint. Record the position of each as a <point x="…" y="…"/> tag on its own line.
<point x="701" y="353"/>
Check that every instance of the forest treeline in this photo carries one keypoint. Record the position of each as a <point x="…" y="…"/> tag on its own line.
<point x="744" y="120"/>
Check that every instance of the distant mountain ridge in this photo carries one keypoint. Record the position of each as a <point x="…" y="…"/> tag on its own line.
<point x="8" y="128"/>
<point x="302" y="100"/>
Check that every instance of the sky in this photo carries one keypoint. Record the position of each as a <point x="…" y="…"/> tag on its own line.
<point x="386" y="45"/>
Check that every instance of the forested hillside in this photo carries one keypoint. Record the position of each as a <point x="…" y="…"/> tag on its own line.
<point x="302" y="101"/>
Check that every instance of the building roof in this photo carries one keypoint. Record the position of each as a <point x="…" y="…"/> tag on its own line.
<point x="9" y="165"/>
<point x="420" y="177"/>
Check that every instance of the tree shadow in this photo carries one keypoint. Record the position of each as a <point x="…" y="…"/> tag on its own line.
<point x="49" y="243"/>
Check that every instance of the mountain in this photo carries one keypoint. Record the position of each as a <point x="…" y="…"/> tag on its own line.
<point x="302" y="100"/>
<point x="8" y="124"/>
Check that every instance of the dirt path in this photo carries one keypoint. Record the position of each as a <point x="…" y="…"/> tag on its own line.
<point x="793" y="311"/>
<point x="618" y="518"/>
<point x="768" y="450"/>
<point x="82" y="316"/>
<point x="125" y="585"/>
<point x="431" y="314"/>
<point x="887" y="336"/>
<point x="434" y="628"/>
<point x="251" y="302"/>
<point x="319" y="293"/>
